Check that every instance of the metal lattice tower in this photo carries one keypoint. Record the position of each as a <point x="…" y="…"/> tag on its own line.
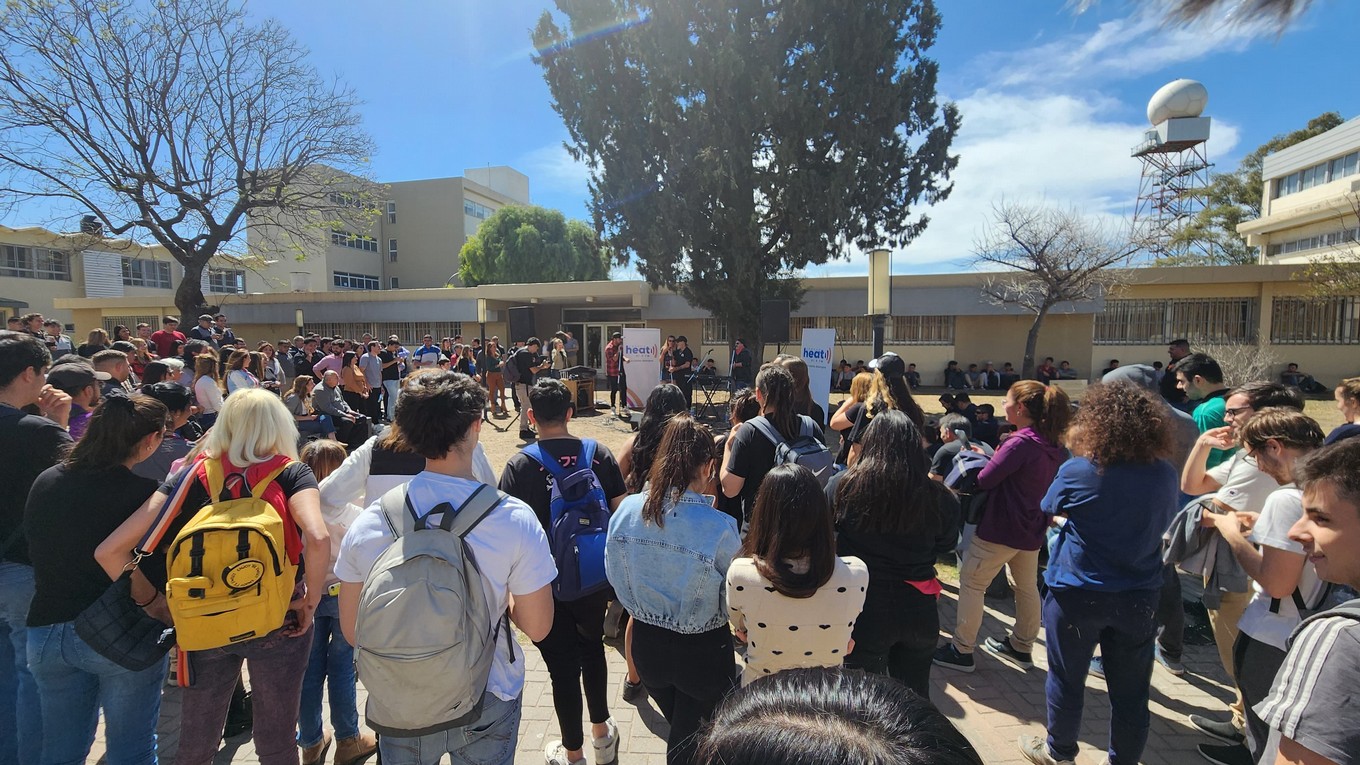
<point x="1170" y="194"/>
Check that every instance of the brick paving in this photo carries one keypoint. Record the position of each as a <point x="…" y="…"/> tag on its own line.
<point x="993" y="707"/>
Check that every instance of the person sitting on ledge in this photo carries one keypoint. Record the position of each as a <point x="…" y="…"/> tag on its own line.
<point x="1066" y="371"/>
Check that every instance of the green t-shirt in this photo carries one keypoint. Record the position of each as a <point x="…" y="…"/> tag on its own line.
<point x="1209" y="415"/>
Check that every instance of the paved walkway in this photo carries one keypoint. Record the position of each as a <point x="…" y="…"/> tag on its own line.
<point x="993" y="707"/>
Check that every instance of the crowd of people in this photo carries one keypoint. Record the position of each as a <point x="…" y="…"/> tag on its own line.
<point x="323" y="512"/>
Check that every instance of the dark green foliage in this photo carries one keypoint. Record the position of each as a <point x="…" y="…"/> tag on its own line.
<point x="523" y="245"/>
<point x="734" y="142"/>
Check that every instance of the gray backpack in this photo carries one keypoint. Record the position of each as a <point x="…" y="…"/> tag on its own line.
<point x="425" y="633"/>
<point x="803" y="450"/>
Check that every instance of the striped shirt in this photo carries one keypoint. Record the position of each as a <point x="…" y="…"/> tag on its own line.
<point x="1313" y="699"/>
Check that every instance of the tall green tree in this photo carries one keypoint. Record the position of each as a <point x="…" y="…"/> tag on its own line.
<point x="1234" y="198"/>
<point x="733" y="142"/>
<point x="177" y="122"/>
<point x="524" y="245"/>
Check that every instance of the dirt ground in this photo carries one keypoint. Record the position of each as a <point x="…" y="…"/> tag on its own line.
<point x="613" y="432"/>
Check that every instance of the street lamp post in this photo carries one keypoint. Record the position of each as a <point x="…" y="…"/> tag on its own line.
<point x="880" y="295"/>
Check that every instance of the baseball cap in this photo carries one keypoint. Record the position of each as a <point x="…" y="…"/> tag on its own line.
<point x="890" y="365"/>
<point x="206" y="317"/>
<point x="73" y="376"/>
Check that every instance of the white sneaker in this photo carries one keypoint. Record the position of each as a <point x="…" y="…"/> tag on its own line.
<point x="556" y="754"/>
<point x="607" y="746"/>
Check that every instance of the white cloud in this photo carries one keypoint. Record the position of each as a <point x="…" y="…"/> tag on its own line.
<point x="554" y="172"/>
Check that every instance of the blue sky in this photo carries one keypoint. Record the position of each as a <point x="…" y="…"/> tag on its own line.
<point x="1051" y="101"/>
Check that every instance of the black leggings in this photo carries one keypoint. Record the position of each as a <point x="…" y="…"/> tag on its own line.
<point x="687" y="676"/>
<point x="574" y="653"/>
<point x="896" y="633"/>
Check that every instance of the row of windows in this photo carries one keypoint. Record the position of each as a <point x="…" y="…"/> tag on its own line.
<point x="1333" y="239"/>
<point x="476" y="210"/>
<point x="856" y="330"/>
<point x="227" y="281"/>
<point x="146" y="273"/>
<point x="1310" y="321"/>
<point x="409" y="332"/>
<point x="341" y="199"/>
<point x="350" y="281"/>
<point x="1159" y="321"/>
<point x="1317" y="175"/>
<point x="32" y="263"/>
<point x="346" y="239"/>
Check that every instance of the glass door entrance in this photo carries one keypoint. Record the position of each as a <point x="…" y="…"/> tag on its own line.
<point x="592" y="337"/>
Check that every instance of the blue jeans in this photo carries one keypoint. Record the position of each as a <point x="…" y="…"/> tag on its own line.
<point x="390" y="390"/>
<point x="321" y="426"/>
<point x="331" y="663"/>
<point x="19" y="709"/>
<point x="489" y="741"/>
<point x="75" y="683"/>
<point x="1124" y="625"/>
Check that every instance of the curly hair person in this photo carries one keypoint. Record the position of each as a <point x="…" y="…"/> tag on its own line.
<point x="1120" y="423"/>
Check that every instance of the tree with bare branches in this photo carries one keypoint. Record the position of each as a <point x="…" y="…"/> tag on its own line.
<point x="1335" y="272"/>
<point x="178" y="122"/>
<point x="1047" y="256"/>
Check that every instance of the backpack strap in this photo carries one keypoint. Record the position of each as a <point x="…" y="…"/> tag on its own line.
<point x="473" y="511"/>
<point x="401" y="516"/>
<point x="807" y="427"/>
<point x="587" y="454"/>
<point x="767" y="429"/>
<point x="169" y="511"/>
<point x="395" y="505"/>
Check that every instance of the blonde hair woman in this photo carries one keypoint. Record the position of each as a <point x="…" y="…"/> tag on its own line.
<point x="254" y="438"/>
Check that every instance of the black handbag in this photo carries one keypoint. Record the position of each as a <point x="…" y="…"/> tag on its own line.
<point x="120" y="631"/>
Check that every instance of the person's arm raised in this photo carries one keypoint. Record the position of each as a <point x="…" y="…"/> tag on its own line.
<point x="1195" y="479"/>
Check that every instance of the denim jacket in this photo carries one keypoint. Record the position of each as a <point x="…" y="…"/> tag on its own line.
<point x="672" y="576"/>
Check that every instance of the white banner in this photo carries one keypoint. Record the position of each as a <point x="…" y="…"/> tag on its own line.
<point x="641" y="363"/>
<point x="818" y="345"/>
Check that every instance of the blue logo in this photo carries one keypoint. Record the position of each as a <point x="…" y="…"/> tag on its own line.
<point x="639" y="350"/>
<point x="816" y="354"/>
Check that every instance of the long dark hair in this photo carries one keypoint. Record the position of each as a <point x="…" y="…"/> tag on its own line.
<point x="802" y="385"/>
<point x="664" y="402"/>
<point x="791" y="521"/>
<point x="116" y="427"/>
<point x="776" y="388"/>
<point x="889" y="491"/>
<point x="686" y="448"/>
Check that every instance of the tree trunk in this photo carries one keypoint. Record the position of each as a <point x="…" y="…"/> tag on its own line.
<point x="1031" y="344"/>
<point x="189" y="298"/>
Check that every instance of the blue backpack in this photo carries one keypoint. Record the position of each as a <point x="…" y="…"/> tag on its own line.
<point x="579" y="522"/>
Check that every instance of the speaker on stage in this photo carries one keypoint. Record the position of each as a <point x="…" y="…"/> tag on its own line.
<point x="774" y="321"/>
<point x="521" y="324"/>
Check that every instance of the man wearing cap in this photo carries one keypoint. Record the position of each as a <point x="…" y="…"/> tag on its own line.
<point x="165" y="338"/>
<point x="682" y="369"/>
<point x="613" y="369"/>
<point x="81" y="382"/>
<point x="743" y="372"/>
<point x="205" y="331"/>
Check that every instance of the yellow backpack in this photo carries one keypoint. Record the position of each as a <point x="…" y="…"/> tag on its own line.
<point x="228" y="575"/>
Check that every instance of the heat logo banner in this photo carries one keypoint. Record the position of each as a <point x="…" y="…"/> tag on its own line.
<point x="642" y="362"/>
<point x="818" y="346"/>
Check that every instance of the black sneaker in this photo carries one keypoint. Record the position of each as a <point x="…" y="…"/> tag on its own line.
<point x="949" y="657"/>
<point x="1003" y="649"/>
<point x="632" y="691"/>
<point x="1223" y="731"/>
<point x="1226" y="754"/>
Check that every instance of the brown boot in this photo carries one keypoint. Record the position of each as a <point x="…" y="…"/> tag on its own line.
<point x="316" y="754"/>
<point x="352" y="751"/>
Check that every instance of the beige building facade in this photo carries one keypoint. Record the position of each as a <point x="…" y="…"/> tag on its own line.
<point x="936" y="318"/>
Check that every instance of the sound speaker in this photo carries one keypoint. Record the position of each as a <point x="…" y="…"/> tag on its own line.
<point x="774" y="321"/>
<point x="521" y="324"/>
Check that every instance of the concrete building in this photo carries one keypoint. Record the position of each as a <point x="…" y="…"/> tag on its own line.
<point x="936" y="318"/>
<point x="40" y="268"/>
<point x="1310" y="201"/>
<point x="413" y="242"/>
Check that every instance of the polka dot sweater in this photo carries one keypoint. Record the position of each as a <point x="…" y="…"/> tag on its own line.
<point x="786" y="633"/>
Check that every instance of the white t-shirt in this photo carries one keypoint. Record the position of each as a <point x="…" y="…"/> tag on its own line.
<point x="1241" y="485"/>
<point x="207" y="395"/>
<point x="1282" y="510"/>
<point x="510" y="548"/>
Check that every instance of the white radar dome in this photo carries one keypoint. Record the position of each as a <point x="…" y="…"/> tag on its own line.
<point x="1179" y="98"/>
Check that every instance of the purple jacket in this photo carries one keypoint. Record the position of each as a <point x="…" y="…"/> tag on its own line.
<point x="1017" y="478"/>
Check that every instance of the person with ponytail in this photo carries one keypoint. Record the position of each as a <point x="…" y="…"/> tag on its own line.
<point x="71" y="509"/>
<point x="1012" y="528"/>
<point x="749" y="455"/>
<point x="667" y="557"/>
<point x="803" y="402"/>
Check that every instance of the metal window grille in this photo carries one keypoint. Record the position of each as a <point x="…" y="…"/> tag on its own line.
<point x="1154" y="322"/>
<point x="923" y="330"/>
<point x="131" y="322"/>
<point x="852" y="330"/>
<point x="409" y="332"/>
<point x="1315" y="321"/>
<point x="799" y="323"/>
<point x="715" y="331"/>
